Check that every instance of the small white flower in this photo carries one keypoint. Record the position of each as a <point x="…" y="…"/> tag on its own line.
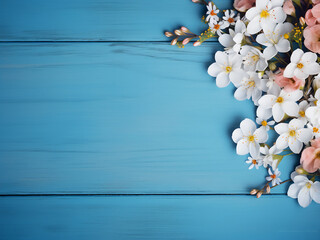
<point x="212" y="12"/>
<point x="226" y="68"/>
<point x="233" y="40"/>
<point x="292" y="135"/>
<point x="249" y="87"/>
<point x="254" y="162"/>
<point x="268" y="158"/>
<point x="248" y="138"/>
<point x="305" y="190"/>
<point x="265" y="12"/>
<point x="303" y="105"/>
<point x="216" y="27"/>
<point x="302" y="65"/>
<point x="274" y="177"/>
<point x="315" y="128"/>
<point x="253" y="59"/>
<point x="230" y="17"/>
<point x="265" y="123"/>
<point x="313" y="112"/>
<point x="275" y="38"/>
<point x="272" y="86"/>
<point x="284" y="103"/>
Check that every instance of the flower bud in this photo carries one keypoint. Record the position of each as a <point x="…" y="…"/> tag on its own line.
<point x="272" y="66"/>
<point x="253" y="191"/>
<point x="186" y="40"/>
<point x="302" y="21"/>
<point x="268" y="189"/>
<point x="174" y="41"/>
<point x="289" y="8"/>
<point x="178" y="32"/>
<point x="185" y="30"/>
<point x="197" y="43"/>
<point x="259" y="194"/>
<point x="168" y="34"/>
<point x="300" y="170"/>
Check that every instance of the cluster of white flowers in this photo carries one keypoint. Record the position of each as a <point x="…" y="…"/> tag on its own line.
<point x="251" y="61"/>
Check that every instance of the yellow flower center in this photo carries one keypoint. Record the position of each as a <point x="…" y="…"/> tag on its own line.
<point x="308" y="185"/>
<point x="251" y="138"/>
<point x="279" y="100"/>
<point x="292" y="133"/>
<point x="315" y="102"/>
<point x="302" y="113"/>
<point x="254" y="161"/>
<point x="251" y="83"/>
<point x="315" y="130"/>
<point x="264" y="123"/>
<point x="212" y="13"/>
<point x="228" y="69"/>
<point x="216" y="27"/>
<point x="299" y="65"/>
<point x="255" y="58"/>
<point x="264" y="14"/>
<point x="230" y="20"/>
<point x="286" y="36"/>
<point x="273" y="176"/>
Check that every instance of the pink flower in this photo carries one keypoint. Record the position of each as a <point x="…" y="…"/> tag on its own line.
<point x="313" y="15"/>
<point x="244" y="5"/>
<point x="289" y="84"/>
<point x="310" y="157"/>
<point x="315" y="1"/>
<point x="289" y="8"/>
<point x="312" y="38"/>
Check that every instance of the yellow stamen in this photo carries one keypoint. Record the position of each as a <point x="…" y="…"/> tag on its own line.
<point x="299" y="65"/>
<point x="315" y="130"/>
<point x="254" y="161"/>
<point x="273" y="176"/>
<point x="251" y="83"/>
<point x="308" y="185"/>
<point x="255" y="58"/>
<point x="292" y="133"/>
<point x="302" y="113"/>
<point x="264" y="123"/>
<point x="216" y="27"/>
<point x="251" y="138"/>
<point x="286" y="36"/>
<point x="264" y="14"/>
<point x="230" y="20"/>
<point x="212" y="13"/>
<point x="228" y="69"/>
<point x="279" y="100"/>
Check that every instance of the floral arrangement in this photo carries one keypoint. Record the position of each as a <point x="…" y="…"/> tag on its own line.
<point x="270" y="56"/>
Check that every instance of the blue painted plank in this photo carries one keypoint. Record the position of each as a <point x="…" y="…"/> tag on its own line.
<point x="98" y="20"/>
<point x="156" y="217"/>
<point x="118" y="118"/>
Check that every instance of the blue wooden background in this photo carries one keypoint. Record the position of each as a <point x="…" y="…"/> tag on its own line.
<point x="108" y="132"/>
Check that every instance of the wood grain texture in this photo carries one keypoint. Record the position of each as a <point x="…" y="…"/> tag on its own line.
<point x="98" y="20"/>
<point x="156" y="217"/>
<point x="118" y="118"/>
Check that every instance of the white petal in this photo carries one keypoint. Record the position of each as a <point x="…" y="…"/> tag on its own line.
<point x="222" y="79"/>
<point x="261" y="38"/>
<point x="312" y="68"/>
<point x="304" y="197"/>
<point x="277" y="15"/>
<point x="251" y="13"/>
<point x="264" y="113"/>
<point x="299" y="73"/>
<point x="262" y="4"/>
<point x="290" y="108"/>
<point x="254" y="149"/>
<point x="237" y="135"/>
<point x="295" y="124"/>
<point x="295" y="145"/>
<point x="281" y="128"/>
<point x="254" y="25"/>
<point x="289" y="70"/>
<point x="315" y="192"/>
<point x="304" y="135"/>
<point x="236" y="76"/>
<point x="292" y="96"/>
<point x="221" y="58"/>
<point x="282" y="141"/>
<point x="294" y="190"/>
<point x="309" y="57"/>
<point x="226" y="40"/>
<point x="240" y="94"/>
<point x="214" y="69"/>
<point x="267" y="101"/>
<point x="296" y="55"/>
<point x="247" y="127"/>
<point x="261" y="135"/>
<point x="283" y="45"/>
<point x="269" y="52"/>
<point x="243" y="147"/>
<point x="301" y="179"/>
<point x="277" y="112"/>
<point x="277" y="3"/>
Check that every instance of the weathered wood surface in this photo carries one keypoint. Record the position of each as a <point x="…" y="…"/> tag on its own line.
<point x="156" y="217"/>
<point x="118" y="118"/>
<point x="98" y="20"/>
